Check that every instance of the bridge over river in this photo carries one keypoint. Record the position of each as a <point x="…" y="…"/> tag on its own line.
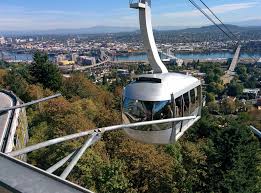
<point x="229" y="75"/>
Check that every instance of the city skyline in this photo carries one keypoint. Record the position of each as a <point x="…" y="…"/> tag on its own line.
<point x="61" y="14"/>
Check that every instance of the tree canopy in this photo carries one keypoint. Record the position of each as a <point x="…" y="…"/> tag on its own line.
<point x="218" y="154"/>
<point x="44" y="72"/>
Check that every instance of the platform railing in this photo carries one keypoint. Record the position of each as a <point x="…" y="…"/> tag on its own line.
<point x="137" y="4"/>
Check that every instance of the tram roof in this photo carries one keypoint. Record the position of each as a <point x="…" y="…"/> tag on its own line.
<point x="159" y="87"/>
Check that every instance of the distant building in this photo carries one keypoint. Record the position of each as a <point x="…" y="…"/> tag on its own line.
<point x="185" y="48"/>
<point x="251" y="93"/>
<point x="173" y="61"/>
<point x="123" y="72"/>
<point x="86" y="61"/>
<point x="179" y="62"/>
<point x="66" y="62"/>
<point x="75" y="57"/>
<point x="20" y="41"/>
<point x="60" y="58"/>
<point x="9" y="40"/>
<point x="2" y="40"/>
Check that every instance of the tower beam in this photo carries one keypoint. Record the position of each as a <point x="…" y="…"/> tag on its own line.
<point x="144" y="7"/>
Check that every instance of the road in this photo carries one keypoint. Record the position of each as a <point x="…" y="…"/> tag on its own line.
<point x="5" y="101"/>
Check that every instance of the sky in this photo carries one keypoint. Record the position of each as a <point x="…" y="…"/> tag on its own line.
<point x="67" y="14"/>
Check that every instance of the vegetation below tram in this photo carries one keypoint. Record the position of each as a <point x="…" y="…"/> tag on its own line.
<point x="219" y="154"/>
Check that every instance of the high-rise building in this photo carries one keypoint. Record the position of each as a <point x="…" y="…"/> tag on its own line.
<point x="2" y="40"/>
<point x="9" y="40"/>
<point x="85" y="60"/>
<point x="75" y="57"/>
<point x="60" y="58"/>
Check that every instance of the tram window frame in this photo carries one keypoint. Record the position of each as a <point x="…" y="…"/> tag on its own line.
<point x="196" y="90"/>
<point x="199" y="95"/>
<point x="165" y="109"/>
<point x="130" y="112"/>
<point x="193" y="96"/>
<point x="186" y="104"/>
<point x="194" y="99"/>
<point x="178" y="106"/>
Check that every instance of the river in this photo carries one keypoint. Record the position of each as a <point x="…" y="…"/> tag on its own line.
<point x="20" y="56"/>
<point x="195" y="56"/>
<point x="143" y="56"/>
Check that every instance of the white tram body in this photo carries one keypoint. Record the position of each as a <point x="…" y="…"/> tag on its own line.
<point x="161" y="96"/>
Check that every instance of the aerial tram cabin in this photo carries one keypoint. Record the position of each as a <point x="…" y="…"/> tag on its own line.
<point x="161" y="95"/>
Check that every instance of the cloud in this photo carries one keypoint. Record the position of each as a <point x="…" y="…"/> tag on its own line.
<point x="20" y="17"/>
<point x="225" y="8"/>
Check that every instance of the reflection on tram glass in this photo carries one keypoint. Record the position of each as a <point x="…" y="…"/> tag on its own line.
<point x="184" y="105"/>
<point x="138" y="111"/>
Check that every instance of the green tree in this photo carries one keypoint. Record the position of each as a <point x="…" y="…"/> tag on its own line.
<point x="251" y="82"/>
<point x="78" y="86"/>
<point x="215" y="88"/>
<point x="228" y="106"/>
<point x="3" y="73"/>
<point x="4" y="64"/>
<point x="235" y="89"/>
<point x="45" y="72"/>
<point x="210" y="97"/>
<point x="15" y="82"/>
<point x="113" y="178"/>
<point x="234" y="159"/>
<point x="213" y="107"/>
<point x="149" y="168"/>
<point x="242" y="72"/>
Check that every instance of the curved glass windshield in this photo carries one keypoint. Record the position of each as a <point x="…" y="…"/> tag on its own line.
<point x="138" y="111"/>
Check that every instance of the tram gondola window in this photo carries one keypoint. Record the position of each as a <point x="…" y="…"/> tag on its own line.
<point x="186" y="103"/>
<point x="193" y="96"/>
<point x="162" y="110"/>
<point x="138" y="111"/>
<point x="178" y="102"/>
<point x="198" y="95"/>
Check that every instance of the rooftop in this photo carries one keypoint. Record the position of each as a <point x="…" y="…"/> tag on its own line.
<point x="248" y="90"/>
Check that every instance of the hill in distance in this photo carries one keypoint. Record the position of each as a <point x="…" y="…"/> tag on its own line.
<point x="242" y="26"/>
<point x="90" y="30"/>
<point x="253" y="22"/>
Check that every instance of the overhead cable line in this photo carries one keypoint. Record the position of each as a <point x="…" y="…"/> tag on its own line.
<point x="224" y="25"/>
<point x="210" y="19"/>
<point x="218" y="26"/>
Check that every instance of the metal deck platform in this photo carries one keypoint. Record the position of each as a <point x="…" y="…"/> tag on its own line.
<point x="138" y="6"/>
<point x="17" y="176"/>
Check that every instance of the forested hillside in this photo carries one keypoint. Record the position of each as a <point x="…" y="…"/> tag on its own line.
<point x="219" y="154"/>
